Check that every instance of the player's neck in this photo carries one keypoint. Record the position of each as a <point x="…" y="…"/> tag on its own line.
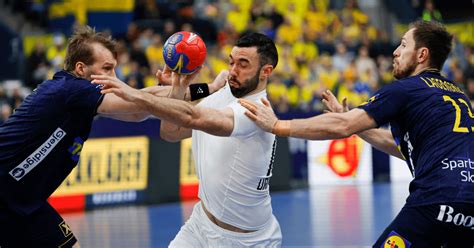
<point x="261" y="86"/>
<point x="73" y="73"/>
<point x="424" y="68"/>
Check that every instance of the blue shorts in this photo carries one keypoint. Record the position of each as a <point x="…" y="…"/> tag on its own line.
<point x="42" y="228"/>
<point x="446" y="225"/>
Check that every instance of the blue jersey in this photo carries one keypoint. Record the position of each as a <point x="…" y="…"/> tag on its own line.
<point x="41" y="141"/>
<point x="433" y="125"/>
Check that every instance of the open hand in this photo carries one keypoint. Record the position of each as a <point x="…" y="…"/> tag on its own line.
<point x="262" y="115"/>
<point x="219" y="81"/>
<point x="333" y="105"/>
<point x="115" y="86"/>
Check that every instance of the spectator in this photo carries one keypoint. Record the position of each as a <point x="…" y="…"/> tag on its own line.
<point x="366" y="67"/>
<point x="5" y="112"/>
<point x="430" y="13"/>
<point x="328" y="76"/>
<point x="57" y="52"/>
<point x="137" y="54"/>
<point x="278" y="94"/>
<point x="37" y="66"/>
<point x="469" y="87"/>
<point x="342" y="58"/>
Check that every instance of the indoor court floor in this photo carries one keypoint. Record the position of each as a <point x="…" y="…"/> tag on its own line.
<point x="322" y="216"/>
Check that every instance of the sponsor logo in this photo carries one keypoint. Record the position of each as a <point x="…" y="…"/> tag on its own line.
<point x="343" y="156"/>
<point x="38" y="155"/>
<point x="65" y="229"/>
<point x="76" y="149"/>
<point x="447" y="214"/>
<point x="192" y="36"/>
<point x="465" y="166"/>
<point x="394" y="240"/>
<point x="114" y="197"/>
<point x="18" y="172"/>
<point x="107" y="165"/>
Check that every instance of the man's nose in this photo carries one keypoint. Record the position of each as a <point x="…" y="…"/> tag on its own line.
<point x="233" y="71"/>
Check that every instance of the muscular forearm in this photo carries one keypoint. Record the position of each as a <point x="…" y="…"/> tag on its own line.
<point x="134" y="117"/>
<point x="331" y="125"/>
<point x="165" y="91"/>
<point x="381" y="139"/>
<point x="178" y="112"/>
<point x="169" y="131"/>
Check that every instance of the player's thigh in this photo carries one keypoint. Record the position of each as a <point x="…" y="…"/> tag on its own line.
<point x="413" y="227"/>
<point x="190" y="234"/>
<point x="43" y="228"/>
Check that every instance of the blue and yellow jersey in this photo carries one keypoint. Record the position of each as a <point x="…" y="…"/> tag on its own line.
<point x="432" y="123"/>
<point x="41" y="142"/>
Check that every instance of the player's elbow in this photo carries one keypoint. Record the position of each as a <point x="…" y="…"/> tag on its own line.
<point x="190" y="119"/>
<point x="139" y="117"/>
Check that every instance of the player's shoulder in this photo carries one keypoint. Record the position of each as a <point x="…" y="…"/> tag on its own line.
<point x="411" y="83"/>
<point x="63" y="80"/>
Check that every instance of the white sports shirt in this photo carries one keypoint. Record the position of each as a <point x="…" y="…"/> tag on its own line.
<point x="234" y="171"/>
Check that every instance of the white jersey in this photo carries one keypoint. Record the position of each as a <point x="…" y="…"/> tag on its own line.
<point x="234" y="171"/>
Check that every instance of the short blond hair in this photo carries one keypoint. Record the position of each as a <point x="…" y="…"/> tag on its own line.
<point x="79" y="46"/>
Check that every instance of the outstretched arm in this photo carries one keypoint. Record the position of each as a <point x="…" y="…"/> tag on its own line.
<point x="172" y="132"/>
<point x="179" y="112"/>
<point x="380" y="138"/>
<point x="321" y="127"/>
<point x="116" y="108"/>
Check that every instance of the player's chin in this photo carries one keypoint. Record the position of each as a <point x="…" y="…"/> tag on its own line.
<point x="234" y="84"/>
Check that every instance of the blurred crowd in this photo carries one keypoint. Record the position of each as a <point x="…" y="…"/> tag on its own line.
<point x="321" y="44"/>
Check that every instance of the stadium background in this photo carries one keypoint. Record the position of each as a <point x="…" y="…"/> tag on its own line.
<point x="342" y="45"/>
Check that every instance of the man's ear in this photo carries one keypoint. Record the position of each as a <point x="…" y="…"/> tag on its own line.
<point x="80" y="69"/>
<point x="266" y="71"/>
<point x="423" y="55"/>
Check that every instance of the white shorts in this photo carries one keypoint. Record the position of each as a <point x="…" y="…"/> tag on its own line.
<point x="200" y="231"/>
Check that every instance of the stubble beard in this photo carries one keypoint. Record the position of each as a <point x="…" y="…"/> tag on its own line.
<point x="250" y="85"/>
<point x="407" y="72"/>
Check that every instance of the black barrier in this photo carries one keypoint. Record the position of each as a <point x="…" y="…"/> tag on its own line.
<point x="282" y="166"/>
<point x="163" y="172"/>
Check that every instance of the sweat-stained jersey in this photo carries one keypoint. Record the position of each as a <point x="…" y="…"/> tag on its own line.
<point x="234" y="172"/>
<point x="432" y="123"/>
<point x="41" y="141"/>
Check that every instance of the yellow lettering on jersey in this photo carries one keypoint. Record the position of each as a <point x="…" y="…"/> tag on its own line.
<point x="441" y="84"/>
<point x="457" y="119"/>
